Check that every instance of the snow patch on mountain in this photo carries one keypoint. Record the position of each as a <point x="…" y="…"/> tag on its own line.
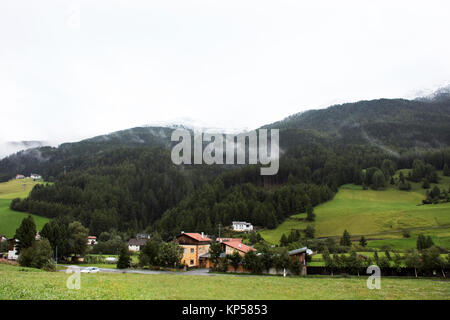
<point x="196" y="126"/>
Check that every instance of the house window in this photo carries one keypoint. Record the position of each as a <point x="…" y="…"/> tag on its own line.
<point x="192" y="250"/>
<point x="192" y="262"/>
<point x="185" y="250"/>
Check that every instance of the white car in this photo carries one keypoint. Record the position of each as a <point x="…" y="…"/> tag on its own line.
<point x="90" y="270"/>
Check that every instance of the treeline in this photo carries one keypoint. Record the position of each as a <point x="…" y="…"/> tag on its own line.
<point x="136" y="189"/>
<point x="124" y="189"/>
<point x="266" y="207"/>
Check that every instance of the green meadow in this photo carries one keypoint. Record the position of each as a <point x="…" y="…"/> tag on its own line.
<point x="26" y="283"/>
<point x="378" y="215"/>
<point x="9" y="219"/>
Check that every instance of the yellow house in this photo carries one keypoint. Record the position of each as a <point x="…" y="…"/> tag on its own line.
<point x="194" y="245"/>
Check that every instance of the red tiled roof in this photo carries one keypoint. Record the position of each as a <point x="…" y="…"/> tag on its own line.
<point x="239" y="246"/>
<point x="196" y="236"/>
<point x="92" y="237"/>
<point x="229" y="239"/>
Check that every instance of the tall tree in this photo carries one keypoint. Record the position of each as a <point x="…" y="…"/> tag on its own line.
<point x="235" y="260"/>
<point x="26" y="233"/>
<point x="77" y="238"/>
<point x="446" y="170"/>
<point x="310" y="216"/>
<point x="309" y="232"/>
<point x="346" y="240"/>
<point x="124" y="258"/>
<point x="215" y="249"/>
<point x="363" y="241"/>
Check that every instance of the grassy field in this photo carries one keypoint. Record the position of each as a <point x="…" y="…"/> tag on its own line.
<point x="25" y="283"/>
<point x="9" y="219"/>
<point x="380" y="215"/>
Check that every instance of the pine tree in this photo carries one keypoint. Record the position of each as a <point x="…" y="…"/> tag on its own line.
<point x="124" y="258"/>
<point x="363" y="241"/>
<point x="26" y="233"/>
<point x="388" y="255"/>
<point x="310" y="216"/>
<point x="345" y="240"/>
<point x="283" y="241"/>
<point x="446" y="170"/>
<point x="309" y="232"/>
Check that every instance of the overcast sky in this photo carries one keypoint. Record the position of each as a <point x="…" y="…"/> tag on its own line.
<point x="75" y="69"/>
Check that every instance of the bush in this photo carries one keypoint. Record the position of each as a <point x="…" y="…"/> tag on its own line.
<point x="253" y="262"/>
<point x="37" y="256"/>
<point x="296" y="267"/>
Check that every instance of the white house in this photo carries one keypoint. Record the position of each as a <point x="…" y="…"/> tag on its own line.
<point x="12" y="253"/>
<point x="20" y="176"/>
<point x="143" y="236"/>
<point x="111" y="260"/>
<point x="92" y="240"/>
<point x="241" y="226"/>
<point x="35" y="176"/>
<point x="135" y="245"/>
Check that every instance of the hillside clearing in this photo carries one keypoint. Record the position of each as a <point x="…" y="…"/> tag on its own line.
<point x="9" y="219"/>
<point x="381" y="214"/>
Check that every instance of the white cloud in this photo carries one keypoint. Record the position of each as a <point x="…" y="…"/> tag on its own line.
<point x="70" y="70"/>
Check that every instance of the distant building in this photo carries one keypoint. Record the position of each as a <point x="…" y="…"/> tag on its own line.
<point x="20" y="176"/>
<point x="12" y="253"/>
<point x="35" y="176"/>
<point x="136" y="245"/>
<point x="37" y="237"/>
<point x="143" y="236"/>
<point x="242" y="226"/>
<point x="92" y="240"/>
<point x="3" y="238"/>
<point x="111" y="260"/>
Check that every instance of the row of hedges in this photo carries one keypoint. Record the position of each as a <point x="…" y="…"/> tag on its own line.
<point x="397" y="272"/>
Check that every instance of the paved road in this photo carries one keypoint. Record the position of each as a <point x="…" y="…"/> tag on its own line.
<point x="195" y="272"/>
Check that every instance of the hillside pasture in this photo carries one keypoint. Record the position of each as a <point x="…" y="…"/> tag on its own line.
<point x="10" y="220"/>
<point x="380" y="215"/>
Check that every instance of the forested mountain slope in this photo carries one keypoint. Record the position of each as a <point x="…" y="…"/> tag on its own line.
<point x="126" y="180"/>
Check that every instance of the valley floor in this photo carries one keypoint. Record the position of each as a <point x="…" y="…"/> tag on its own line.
<point x="25" y="283"/>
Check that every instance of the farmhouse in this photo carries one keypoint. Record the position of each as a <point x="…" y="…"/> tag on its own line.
<point x="12" y="253"/>
<point x="35" y="176"/>
<point x="135" y="245"/>
<point x="241" y="226"/>
<point x="20" y="176"/>
<point x="194" y="245"/>
<point x="92" y="240"/>
<point x="229" y="245"/>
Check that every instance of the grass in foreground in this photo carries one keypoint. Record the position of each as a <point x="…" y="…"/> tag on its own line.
<point x="35" y="284"/>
